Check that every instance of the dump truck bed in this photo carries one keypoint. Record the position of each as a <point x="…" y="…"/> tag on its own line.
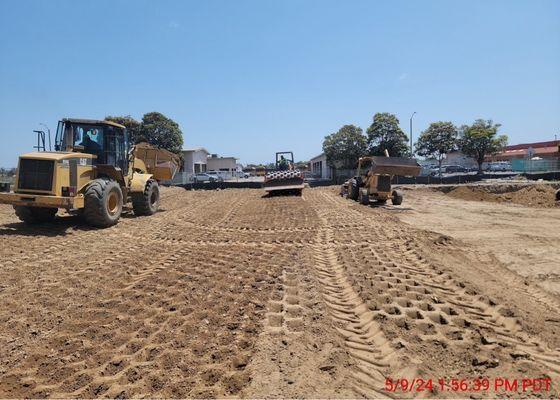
<point x="162" y="164"/>
<point x="395" y="166"/>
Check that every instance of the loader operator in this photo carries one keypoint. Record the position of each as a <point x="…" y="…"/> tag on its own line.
<point x="91" y="146"/>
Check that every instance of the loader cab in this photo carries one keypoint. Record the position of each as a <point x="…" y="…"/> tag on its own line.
<point x="106" y="140"/>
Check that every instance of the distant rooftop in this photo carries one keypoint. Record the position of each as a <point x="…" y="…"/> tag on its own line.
<point x="536" y="145"/>
<point x="196" y="149"/>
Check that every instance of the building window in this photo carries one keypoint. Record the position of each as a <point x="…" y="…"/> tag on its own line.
<point x="199" y="168"/>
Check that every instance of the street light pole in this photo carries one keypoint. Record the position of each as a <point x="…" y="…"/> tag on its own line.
<point x="411" y="151"/>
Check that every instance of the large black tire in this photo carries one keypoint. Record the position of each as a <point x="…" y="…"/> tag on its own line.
<point x="558" y="195"/>
<point x="103" y="203"/>
<point x="35" y="215"/>
<point x="146" y="203"/>
<point x="353" y="190"/>
<point x="397" y="198"/>
<point x="364" y="198"/>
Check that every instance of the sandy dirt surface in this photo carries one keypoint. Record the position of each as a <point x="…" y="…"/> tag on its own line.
<point x="229" y="294"/>
<point x="521" y="236"/>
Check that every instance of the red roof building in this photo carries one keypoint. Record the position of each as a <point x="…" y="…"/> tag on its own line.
<point x="550" y="149"/>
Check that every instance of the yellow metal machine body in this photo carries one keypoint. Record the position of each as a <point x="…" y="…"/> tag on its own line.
<point x="85" y="151"/>
<point x="373" y="179"/>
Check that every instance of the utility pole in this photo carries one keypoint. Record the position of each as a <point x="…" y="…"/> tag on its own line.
<point x="411" y="151"/>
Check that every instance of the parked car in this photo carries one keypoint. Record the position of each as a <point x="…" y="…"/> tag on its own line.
<point x="218" y="177"/>
<point x="204" y="177"/>
<point x="499" y="166"/>
<point x="451" y="169"/>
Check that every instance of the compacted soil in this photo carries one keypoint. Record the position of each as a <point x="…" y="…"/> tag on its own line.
<point x="233" y="294"/>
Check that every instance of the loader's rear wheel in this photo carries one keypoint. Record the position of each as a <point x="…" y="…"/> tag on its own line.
<point x="103" y="203"/>
<point x="35" y="215"/>
<point x="397" y="198"/>
<point x="147" y="202"/>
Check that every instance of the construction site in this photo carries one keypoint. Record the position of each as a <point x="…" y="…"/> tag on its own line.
<point x="232" y="293"/>
<point x="281" y="199"/>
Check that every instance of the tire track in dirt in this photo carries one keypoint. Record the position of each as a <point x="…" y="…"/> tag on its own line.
<point x="364" y="340"/>
<point x="421" y="298"/>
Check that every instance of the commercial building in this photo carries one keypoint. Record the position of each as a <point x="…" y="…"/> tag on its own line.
<point x="224" y="164"/>
<point x="531" y="157"/>
<point x="198" y="159"/>
<point x="524" y="157"/>
<point x="458" y="158"/>
<point x="319" y="168"/>
<point x="543" y="150"/>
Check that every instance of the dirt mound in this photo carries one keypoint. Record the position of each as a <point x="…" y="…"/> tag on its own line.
<point x="532" y="196"/>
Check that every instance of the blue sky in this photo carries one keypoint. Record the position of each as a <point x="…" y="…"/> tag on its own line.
<point x="248" y="78"/>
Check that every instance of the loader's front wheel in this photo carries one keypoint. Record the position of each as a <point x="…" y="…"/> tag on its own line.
<point x="397" y="198"/>
<point x="35" y="215"/>
<point x="103" y="203"/>
<point x="146" y="203"/>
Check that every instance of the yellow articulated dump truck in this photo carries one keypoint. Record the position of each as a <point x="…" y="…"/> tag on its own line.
<point x="372" y="181"/>
<point x="93" y="171"/>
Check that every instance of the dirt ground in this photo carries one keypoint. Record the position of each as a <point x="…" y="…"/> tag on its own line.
<point x="229" y="294"/>
<point x="538" y="195"/>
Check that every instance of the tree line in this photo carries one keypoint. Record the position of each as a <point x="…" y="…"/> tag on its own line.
<point x="344" y="147"/>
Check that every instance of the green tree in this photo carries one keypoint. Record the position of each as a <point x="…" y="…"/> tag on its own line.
<point x="344" y="147"/>
<point x="439" y="139"/>
<point x="132" y="126"/>
<point x="480" y="139"/>
<point x="385" y="134"/>
<point x="161" y="131"/>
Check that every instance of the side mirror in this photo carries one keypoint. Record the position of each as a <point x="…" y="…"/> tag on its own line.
<point x="78" y="148"/>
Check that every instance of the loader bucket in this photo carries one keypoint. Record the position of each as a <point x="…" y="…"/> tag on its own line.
<point x="162" y="164"/>
<point x="395" y="166"/>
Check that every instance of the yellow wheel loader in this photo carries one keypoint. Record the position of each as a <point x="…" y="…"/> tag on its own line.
<point x="372" y="181"/>
<point x="93" y="171"/>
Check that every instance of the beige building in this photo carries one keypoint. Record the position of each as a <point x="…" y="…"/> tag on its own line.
<point x="458" y="158"/>
<point x="225" y="164"/>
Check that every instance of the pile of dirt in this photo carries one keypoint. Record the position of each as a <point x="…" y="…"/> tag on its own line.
<point x="530" y="196"/>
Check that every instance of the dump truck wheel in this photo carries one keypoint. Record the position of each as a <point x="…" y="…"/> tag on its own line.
<point x="397" y="198"/>
<point x="103" y="203"/>
<point x="558" y="195"/>
<point x="35" y="215"/>
<point x="353" y="190"/>
<point x="146" y="203"/>
<point x="364" y="199"/>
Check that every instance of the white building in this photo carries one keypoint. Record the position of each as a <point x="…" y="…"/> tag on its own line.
<point x="194" y="161"/>
<point x="319" y="168"/>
